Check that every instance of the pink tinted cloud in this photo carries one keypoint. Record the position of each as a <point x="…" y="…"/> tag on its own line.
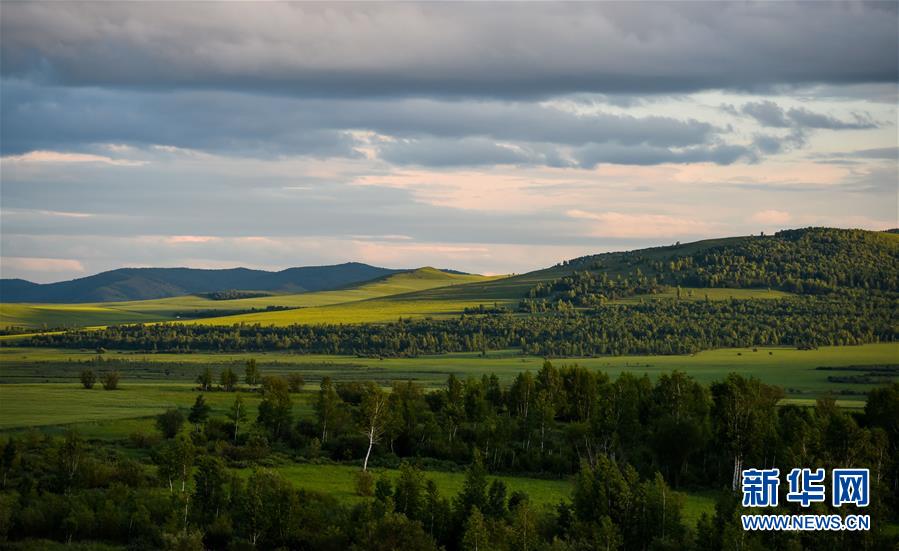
<point x="771" y="216"/>
<point x="31" y="264"/>
<point x="63" y="157"/>
<point x="625" y="225"/>
<point x="179" y="239"/>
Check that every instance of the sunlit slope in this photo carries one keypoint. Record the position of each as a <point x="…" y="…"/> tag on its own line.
<point x="40" y="316"/>
<point x="167" y="309"/>
<point x="408" y="297"/>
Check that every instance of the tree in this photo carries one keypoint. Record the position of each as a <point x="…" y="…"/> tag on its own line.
<point x="204" y="379"/>
<point x="9" y="459"/>
<point x="111" y="380"/>
<point x="474" y="488"/>
<point x="295" y="382"/>
<point x="744" y="413"/>
<point x="228" y="380"/>
<point x="408" y="494"/>
<point x="495" y="506"/>
<point x="210" y="494"/>
<point x="476" y="537"/>
<point x="199" y="412"/>
<point x="521" y="394"/>
<point x="237" y="414"/>
<point x="396" y="531"/>
<point x="175" y="459"/>
<point x="326" y="407"/>
<point x="275" y="407"/>
<point x="373" y="411"/>
<point x="524" y="528"/>
<point x="453" y="410"/>
<point x="88" y="379"/>
<point x="169" y="422"/>
<point x="252" y="376"/>
<point x="71" y="454"/>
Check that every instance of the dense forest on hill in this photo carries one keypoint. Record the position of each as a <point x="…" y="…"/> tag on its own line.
<point x="808" y="261"/>
<point x="654" y="327"/>
<point x="628" y="443"/>
<point x="844" y="285"/>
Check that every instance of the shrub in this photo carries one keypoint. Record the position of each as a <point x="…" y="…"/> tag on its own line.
<point x="169" y="423"/>
<point x="111" y="380"/>
<point x="365" y="484"/>
<point x="88" y="379"/>
<point x="295" y="382"/>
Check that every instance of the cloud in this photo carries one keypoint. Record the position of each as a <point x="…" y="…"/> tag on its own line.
<point x="771" y="216"/>
<point x="618" y="224"/>
<point x="439" y="49"/>
<point x="446" y="153"/>
<point x="185" y="123"/>
<point x="66" y="157"/>
<point x="281" y="134"/>
<point x="18" y="264"/>
<point x="179" y="239"/>
<point x="804" y="118"/>
<point x="722" y="154"/>
<point x="768" y="113"/>
<point x="891" y="153"/>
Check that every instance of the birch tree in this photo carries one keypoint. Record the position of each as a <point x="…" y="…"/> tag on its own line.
<point x="373" y="412"/>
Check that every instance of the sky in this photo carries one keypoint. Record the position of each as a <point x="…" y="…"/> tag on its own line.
<point x="484" y="137"/>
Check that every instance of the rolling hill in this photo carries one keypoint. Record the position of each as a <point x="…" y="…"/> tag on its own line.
<point x="151" y="283"/>
<point x="225" y="311"/>
<point x="811" y="261"/>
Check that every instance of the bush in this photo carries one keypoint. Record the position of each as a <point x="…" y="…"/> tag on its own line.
<point x="170" y="422"/>
<point x="111" y="380"/>
<point x="141" y="439"/>
<point x="88" y="378"/>
<point x="295" y="382"/>
<point x="365" y="484"/>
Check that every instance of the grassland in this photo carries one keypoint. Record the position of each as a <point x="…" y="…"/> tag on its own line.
<point x="168" y="309"/>
<point x="338" y="481"/>
<point x="420" y="293"/>
<point x="43" y="395"/>
<point x="152" y="383"/>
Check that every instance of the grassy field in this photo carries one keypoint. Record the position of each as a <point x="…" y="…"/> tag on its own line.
<point x="339" y="481"/>
<point x="99" y="413"/>
<point x="151" y="383"/>
<point x="142" y="311"/>
<point x="41" y="392"/>
<point x="714" y="293"/>
<point x="425" y="292"/>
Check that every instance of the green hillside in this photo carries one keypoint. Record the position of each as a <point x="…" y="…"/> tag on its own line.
<point x="150" y="283"/>
<point x="188" y="306"/>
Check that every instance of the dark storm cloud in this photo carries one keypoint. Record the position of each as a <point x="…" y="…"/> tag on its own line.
<point x="721" y="154"/>
<point x="449" y="49"/>
<point x="877" y="153"/>
<point x="39" y="117"/>
<point x="767" y="113"/>
<point x="809" y="119"/>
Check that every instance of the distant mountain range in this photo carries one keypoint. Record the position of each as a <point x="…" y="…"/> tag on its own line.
<point x="151" y="283"/>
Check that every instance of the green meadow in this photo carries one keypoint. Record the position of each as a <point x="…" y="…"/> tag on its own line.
<point x="41" y="384"/>
<point x="171" y="309"/>
<point x="421" y="293"/>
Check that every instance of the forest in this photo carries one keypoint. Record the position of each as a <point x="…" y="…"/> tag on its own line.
<point x="664" y="326"/>
<point x="629" y="446"/>
<point x="843" y="287"/>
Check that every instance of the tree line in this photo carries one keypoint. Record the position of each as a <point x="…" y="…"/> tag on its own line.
<point x="628" y="445"/>
<point x="666" y="326"/>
